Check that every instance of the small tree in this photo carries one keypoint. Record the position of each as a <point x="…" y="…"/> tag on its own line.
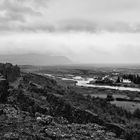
<point x="118" y="80"/>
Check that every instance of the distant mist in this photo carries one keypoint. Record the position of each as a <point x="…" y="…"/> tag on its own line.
<point x="84" y="31"/>
<point x="35" y="59"/>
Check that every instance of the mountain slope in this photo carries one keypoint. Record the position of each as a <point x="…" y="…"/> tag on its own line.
<point x="35" y="59"/>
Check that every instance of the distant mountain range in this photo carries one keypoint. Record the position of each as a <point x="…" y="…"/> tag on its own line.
<point x="35" y="59"/>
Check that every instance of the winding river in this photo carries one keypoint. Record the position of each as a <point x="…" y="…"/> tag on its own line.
<point x="130" y="106"/>
<point x="85" y="83"/>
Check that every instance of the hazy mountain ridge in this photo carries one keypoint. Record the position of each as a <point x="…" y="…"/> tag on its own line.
<point x="35" y="59"/>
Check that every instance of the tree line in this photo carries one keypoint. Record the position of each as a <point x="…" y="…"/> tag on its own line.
<point x="135" y="78"/>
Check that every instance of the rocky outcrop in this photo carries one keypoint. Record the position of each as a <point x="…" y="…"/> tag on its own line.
<point x="77" y="115"/>
<point x="16" y="124"/>
<point x="27" y="103"/>
<point x="73" y="114"/>
<point x="3" y="90"/>
<point x="78" y="132"/>
<point x="35" y="80"/>
<point x="10" y="72"/>
<point x="36" y="110"/>
<point x="116" y="128"/>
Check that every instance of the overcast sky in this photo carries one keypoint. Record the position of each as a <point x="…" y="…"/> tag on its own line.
<point x="87" y="31"/>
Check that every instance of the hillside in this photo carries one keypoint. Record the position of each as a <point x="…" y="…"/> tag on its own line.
<point x="37" y="107"/>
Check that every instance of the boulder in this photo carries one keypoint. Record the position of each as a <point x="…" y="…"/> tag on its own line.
<point x="44" y="119"/>
<point x="11" y="136"/>
<point x="116" y="128"/>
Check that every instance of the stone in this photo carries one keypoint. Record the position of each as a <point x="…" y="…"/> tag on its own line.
<point x="11" y="136"/>
<point x="45" y="120"/>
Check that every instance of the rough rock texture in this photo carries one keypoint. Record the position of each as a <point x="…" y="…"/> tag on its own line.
<point x="10" y="72"/>
<point x="61" y="107"/>
<point x="16" y="124"/>
<point x="37" y="110"/>
<point x="3" y="90"/>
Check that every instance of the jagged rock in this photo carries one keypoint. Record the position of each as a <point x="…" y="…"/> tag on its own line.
<point x="39" y="80"/>
<point x="115" y="128"/>
<point x="11" y="112"/>
<point x="46" y="115"/>
<point x="61" y="120"/>
<point x="11" y="136"/>
<point x="78" y="132"/>
<point x="43" y="98"/>
<point x="45" y="120"/>
<point x="30" y="103"/>
<point x="71" y="113"/>
<point x="3" y="89"/>
<point x="9" y="71"/>
<point x="111" y="134"/>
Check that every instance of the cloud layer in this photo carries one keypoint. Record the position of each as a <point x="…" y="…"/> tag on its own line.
<point x="79" y="47"/>
<point x="87" y="31"/>
<point x="67" y="15"/>
<point x="19" y="14"/>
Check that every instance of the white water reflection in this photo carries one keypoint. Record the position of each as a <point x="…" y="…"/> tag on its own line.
<point x="85" y="83"/>
<point x="130" y="106"/>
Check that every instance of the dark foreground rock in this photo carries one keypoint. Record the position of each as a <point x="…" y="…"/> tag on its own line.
<point x="18" y="125"/>
<point x="3" y="89"/>
<point x="38" y="109"/>
<point x="9" y="71"/>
